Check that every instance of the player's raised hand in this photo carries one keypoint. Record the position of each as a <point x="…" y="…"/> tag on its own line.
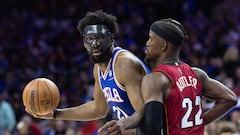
<point x="111" y="128"/>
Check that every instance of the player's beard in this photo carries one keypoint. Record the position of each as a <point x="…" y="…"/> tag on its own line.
<point x="104" y="57"/>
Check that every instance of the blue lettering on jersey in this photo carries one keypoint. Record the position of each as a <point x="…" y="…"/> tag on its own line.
<point x="112" y="95"/>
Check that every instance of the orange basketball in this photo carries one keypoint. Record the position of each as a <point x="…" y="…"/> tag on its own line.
<point x="41" y="96"/>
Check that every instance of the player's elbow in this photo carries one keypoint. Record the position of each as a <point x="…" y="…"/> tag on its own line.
<point x="232" y="100"/>
<point x="102" y="113"/>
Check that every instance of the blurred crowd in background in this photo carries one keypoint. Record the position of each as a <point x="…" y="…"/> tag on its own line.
<point x="39" y="38"/>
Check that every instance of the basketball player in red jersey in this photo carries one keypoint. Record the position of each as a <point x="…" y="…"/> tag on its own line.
<point x="173" y="92"/>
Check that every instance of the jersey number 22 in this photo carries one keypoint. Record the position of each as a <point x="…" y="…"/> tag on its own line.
<point x="189" y="104"/>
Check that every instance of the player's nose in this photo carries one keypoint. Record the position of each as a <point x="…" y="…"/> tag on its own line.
<point x="95" y="43"/>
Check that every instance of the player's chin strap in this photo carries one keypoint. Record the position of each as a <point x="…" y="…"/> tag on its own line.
<point x="153" y="122"/>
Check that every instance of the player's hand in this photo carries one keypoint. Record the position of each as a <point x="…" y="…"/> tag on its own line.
<point x="111" y="128"/>
<point x="47" y="116"/>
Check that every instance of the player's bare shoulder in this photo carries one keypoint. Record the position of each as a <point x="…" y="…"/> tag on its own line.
<point x="201" y="74"/>
<point x="127" y="61"/>
<point x="128" y="66"/>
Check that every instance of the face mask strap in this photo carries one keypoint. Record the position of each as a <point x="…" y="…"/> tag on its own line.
<point x="96" y="29"/>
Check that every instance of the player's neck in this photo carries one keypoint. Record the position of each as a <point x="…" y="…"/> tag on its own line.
<point x="172" y="61"/>
<point x="171" y="58"/>
<point x="103" y="66"/>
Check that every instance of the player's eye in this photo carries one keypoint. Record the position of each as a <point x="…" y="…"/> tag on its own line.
<point x="100" y="38"/>
<point x="89" y="39"/>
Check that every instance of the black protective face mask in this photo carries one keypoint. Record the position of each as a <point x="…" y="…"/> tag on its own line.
<point x="98" y="37"/>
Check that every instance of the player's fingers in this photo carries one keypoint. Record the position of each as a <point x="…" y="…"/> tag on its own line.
<point x="110" y="131"/>
<point x="102" y="132"/>
<point x="30" y="112"/>
<point x="117" y="133"/>
<point x="106" y="126"/>
<point x="47" y="116"/>
<point x="114" y="130"/>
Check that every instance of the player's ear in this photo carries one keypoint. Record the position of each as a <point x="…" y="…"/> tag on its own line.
<point x="164" y="44"/>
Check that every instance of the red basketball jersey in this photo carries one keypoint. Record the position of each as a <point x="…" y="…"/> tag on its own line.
<point x="183" y="106"/>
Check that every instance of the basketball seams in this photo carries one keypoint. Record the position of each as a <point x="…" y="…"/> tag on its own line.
<point x="38" y="97"/>
<point x="49" y="90"/>
<point x="25" y="94"/>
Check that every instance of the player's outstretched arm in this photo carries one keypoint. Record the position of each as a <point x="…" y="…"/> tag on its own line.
<point x="92" y="110"/>
<point x="86" y="112"/>
<point x="214" y="90"/>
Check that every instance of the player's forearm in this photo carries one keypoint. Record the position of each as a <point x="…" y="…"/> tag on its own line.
<point x="218" y="110"/>
<point x="132" y="121"/>
<point x="85" y="112"/>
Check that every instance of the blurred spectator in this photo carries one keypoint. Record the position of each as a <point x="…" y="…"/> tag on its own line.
<point x="237" y="81"/>
<point x="7" y="115"/>
<point x="225" y="131"/>
<point x="222" y="127"/>
<point x="59" y="128"/>
<point x="235" y="116"/>
<point x="89" y="128"/>
<point x="235" y="119"/>
<point x="231" y="60"/>
<point x="28" y="127"/>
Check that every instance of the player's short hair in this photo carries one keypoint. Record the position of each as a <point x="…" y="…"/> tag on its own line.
<point x="98" y="18"/>
<point x="170" y="30"/>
